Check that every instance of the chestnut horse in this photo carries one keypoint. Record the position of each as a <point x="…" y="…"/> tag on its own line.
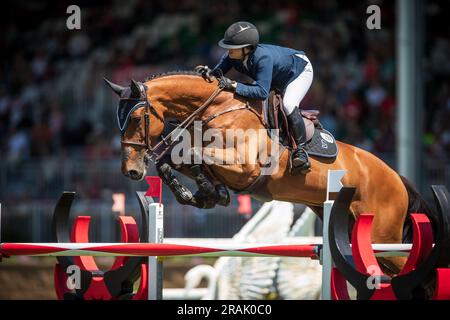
<point x="177" y="95"/>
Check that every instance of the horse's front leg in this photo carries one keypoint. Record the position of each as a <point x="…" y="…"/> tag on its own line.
<point x="207" y="196"/>
<point x="209" y="192"/>
<point x="181" y="193"/>
<point x="164" y="167"/>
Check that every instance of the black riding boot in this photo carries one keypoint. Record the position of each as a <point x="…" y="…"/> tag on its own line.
<point x="300" y="160"/>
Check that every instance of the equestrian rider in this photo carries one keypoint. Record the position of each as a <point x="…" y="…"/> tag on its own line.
<point x="272" y="67"/>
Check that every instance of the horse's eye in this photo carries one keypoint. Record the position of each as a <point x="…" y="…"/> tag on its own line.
<point x="136" y="120"/>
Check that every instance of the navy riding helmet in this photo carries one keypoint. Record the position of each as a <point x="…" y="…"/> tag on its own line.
<point x="239" y="35"/>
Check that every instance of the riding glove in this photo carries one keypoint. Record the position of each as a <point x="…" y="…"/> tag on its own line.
<point x="205" y="71"/>
<point x="227" y="83"/>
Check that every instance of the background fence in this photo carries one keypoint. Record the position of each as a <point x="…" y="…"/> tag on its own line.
<point x="26" y="219"/>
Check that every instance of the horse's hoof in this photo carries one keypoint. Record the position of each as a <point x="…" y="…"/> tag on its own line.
<point x="182" y="194"/>
<point x="165" y="172"/>
<point x="203" y="202"/>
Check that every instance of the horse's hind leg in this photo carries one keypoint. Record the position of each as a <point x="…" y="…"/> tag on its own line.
<point x="387" y="227"/>
<point x="383" y="234"/>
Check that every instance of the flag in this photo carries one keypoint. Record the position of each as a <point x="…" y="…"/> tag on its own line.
<point x="155" y="187"/>
<point x="334" y="180"/>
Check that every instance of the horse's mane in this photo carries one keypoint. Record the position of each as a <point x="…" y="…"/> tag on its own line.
<point x="173" y="73"/>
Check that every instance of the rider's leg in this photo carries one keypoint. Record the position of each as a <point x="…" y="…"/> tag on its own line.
<point x="299" y="156"/>
<point x="293" y="95"/>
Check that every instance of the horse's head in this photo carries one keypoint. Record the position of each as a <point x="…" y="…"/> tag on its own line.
<point x="140" y="125"/>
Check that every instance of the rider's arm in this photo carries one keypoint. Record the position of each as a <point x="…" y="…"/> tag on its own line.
<point x="224" y="65"/>
<point x="261" y="87"/>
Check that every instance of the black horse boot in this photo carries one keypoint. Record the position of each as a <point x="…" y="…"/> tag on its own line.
<point x="299" y="158"/>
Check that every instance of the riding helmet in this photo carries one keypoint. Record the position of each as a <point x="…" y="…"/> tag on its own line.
<point x="239" y="35"/>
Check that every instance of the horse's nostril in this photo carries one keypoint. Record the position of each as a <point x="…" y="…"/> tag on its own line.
<point x="133" y="174"/>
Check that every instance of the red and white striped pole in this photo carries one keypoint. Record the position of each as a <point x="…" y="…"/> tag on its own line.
<point x="169" y="249"/>
<point x="157" y="249"/>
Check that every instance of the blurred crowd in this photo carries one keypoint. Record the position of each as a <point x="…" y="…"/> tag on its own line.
<point x="54" y="104"/>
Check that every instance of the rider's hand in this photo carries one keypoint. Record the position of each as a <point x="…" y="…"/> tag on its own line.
<point x="205" y="71"/>
<point x="227" y="83"/>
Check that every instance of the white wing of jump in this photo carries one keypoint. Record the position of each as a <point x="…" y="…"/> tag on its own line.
<point x="248" y="278"/>
<point x="227" y="267"/>
<point x="300" y="279"/>
<point x="253" y="278"/>
<point x="195" y="275"/>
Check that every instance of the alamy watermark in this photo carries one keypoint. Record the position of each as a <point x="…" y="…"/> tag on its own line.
<point x="73" y="277"/>
<point x="374" y="281"/>
<point x="73" y="22"/>
<point x="374" y="20"/>
<point x="227" y="147"/>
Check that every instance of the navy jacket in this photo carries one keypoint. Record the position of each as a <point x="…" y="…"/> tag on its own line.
<point x="272" y="67"/>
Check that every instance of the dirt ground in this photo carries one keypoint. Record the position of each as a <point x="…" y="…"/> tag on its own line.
<point x="32" y="278"/>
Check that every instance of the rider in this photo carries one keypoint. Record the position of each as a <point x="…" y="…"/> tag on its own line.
<point x="272" y="67"/>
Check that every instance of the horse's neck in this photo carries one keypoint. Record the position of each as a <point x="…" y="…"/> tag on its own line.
<point x="180" y="101"/>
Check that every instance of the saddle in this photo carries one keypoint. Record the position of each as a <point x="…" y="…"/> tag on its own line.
<point x="277" y="119"/>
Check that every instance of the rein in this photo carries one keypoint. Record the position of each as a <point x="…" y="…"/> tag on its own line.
<point x="154" y="153"/>
<point x="161" y="148"/>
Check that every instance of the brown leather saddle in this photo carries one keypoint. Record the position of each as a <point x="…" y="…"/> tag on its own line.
<point x="277" y="119"/>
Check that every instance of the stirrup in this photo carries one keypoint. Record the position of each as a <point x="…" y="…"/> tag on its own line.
<point x="302" y="168"/>
<point x="294" y="171"/>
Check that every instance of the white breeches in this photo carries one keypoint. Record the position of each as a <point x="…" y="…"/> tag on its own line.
<point x="297" y="89"/>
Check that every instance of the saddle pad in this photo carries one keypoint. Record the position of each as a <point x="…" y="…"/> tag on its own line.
<point x="322" y="144"/>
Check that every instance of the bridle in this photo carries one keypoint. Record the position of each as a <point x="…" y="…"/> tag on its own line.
<point x="161" y="148"/>
<point x="141" y="102"/>
<point x="167" y="142"/>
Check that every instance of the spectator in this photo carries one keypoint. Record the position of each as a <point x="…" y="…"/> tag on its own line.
<point x="53" y="101"/>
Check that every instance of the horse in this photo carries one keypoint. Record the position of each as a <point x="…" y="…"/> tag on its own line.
<point x="185" y="95"/>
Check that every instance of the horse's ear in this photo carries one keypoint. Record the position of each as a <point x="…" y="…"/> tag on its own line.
<point x="115" y="87"/>
<point x="135" y="89"/>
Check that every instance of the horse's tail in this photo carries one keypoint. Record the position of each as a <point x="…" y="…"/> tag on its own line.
<point x="416" y="204"/>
